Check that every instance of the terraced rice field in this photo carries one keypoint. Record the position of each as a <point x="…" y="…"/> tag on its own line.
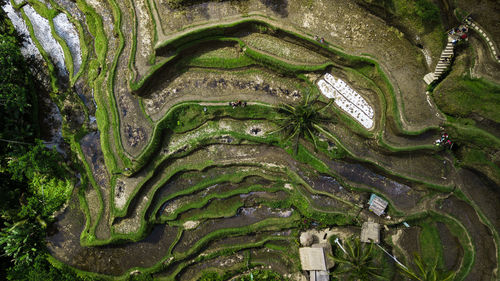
<point x="176" y="182"/>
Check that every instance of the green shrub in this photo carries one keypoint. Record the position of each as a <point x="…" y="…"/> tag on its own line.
<point x="210" y="276"/>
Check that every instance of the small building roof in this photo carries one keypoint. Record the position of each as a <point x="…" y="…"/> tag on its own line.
<point x="377" y="204"/>
<point x="370" y="232"/>
<point x="312" y="258"/>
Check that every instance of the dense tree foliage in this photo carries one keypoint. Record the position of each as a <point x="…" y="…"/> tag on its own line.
<point x="33" y="179"/>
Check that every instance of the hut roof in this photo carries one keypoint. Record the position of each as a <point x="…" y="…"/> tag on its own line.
<point x="377" y="204"/>
<point x="312" y="258"/>
<point x="370" y="232"/>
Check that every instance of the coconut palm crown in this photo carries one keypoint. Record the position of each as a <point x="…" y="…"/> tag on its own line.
<point x="304" y="119"/>
<point x="357" y="263"/>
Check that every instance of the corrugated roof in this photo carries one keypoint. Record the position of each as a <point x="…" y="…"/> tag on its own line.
<point x="377" y="205"/>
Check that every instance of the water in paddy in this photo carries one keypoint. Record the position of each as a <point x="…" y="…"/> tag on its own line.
<point x="246" y="216"/>
<point x="64" y="244"/>
<point x="116" y="260"/>
<point x="480" y="234"/>
<point x="403" y="196"/>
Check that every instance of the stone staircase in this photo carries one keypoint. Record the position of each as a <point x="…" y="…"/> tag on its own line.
<point x="443" y="63"/>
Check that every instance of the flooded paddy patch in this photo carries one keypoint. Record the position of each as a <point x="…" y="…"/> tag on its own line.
<point x="252" y="238"/>
<point x="402" y="194"/>
<point x="187" y="179"/>
<point x="28" y="46"/>
<point x="42" y="31"/>
<point x="452" y="250"/>
<point x="420" y="165"/>
<point x="485" y="249"/>
<point x="64" y="244"/>
<point x="219" y="264"/>
<point x="246" y="217"/>
<point x="220" y="154"/>
<point x="171" y="208"/>
<point x="91" y="148"/>
<point x="275" y="260"/>
<point x="65" y="29"/>
<point x="331" y="185"/>
<point x="483" y="192"/>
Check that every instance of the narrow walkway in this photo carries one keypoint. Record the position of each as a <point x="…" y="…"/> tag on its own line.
<point x="491" y="45"/>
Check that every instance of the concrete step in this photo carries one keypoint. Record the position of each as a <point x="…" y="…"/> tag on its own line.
<point x="429" y="78"/>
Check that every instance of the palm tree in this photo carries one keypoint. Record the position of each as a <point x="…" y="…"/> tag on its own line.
<point x="426" y="272"/>
<point x="357" y="262"/>
<point x="302" y="120"/>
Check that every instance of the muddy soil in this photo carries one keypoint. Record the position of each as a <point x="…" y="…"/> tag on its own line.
<point x="409" y="242"/>
<point x="222" y="154"/>
<point x="485" y="259"/>
<point x="250" y="238"/>
<point x="246" y="216"/>
<point x="224" y="263"/>
<point x="393" y="137"/>
<point x="400" y="193"/>
<point x="172" y="205"/>
<point x="91" y="148"/>
<point x="351" y="27"/>
<point x="254" y="84"/>
<point x="452" y="251"/>
<point x="483" y="192"/>
<point x="210" y="12"/>
<point x="135" y="129"/>
<point x="187" y="179"/>
<point x="287" y="51"/>
<point x="484" y="66"/>
<point x="422" y="165"/>
<point x="113" y="260"/>
<point x="144" y="37"/>
<point x="331" y="185"/>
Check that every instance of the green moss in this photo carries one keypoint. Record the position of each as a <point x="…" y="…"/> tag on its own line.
<point x="207" y="198"/>
<point x="430" y="244"/>
<point x="460" y="232"/>
<point x="461" y="97"/>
